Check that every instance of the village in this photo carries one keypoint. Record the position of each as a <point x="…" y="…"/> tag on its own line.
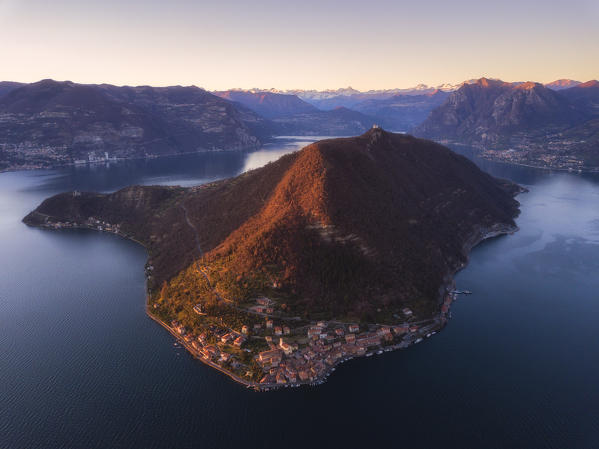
<point x="91" y="223"/>
<point x="304" y="355"/>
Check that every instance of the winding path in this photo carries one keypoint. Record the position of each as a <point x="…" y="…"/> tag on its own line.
<point x="193" y="227"/>
<point x="197" y="238"/>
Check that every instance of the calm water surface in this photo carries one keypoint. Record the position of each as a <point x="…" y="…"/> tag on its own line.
<point x="83" y="367"/>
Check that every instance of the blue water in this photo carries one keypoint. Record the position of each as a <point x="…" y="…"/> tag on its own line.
<point x="83" y="367"/>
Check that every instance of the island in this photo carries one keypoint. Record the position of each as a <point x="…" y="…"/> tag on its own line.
<point x="343" y="249"/>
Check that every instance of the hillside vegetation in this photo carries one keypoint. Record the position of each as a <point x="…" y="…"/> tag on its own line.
<point x="344" y="227"/>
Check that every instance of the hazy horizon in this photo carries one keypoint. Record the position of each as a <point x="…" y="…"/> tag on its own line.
<point x="264" y="89"/>
<point x="312" y="45"/>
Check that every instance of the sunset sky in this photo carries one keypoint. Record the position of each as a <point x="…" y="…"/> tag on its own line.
<point x="308" y="44"/>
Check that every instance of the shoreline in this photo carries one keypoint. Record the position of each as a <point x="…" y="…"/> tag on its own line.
<point x="519" y="164"/>
<point x="135" y="158"/>
<point x="272" y="140"/>
<point x="439" y="320"/>
<point x="260" y="387"/>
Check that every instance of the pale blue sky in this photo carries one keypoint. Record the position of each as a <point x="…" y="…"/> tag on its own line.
<point x="308" y="44"/>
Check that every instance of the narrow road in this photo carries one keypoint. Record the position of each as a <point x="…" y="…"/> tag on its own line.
<point x="193" y="227"/>
<point x="197" y="238"/>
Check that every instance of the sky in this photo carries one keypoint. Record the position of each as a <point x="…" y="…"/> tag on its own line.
<point x="308" y="44"/>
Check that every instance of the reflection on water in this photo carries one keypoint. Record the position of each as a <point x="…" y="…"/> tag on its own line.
<point x="274" y="151"/>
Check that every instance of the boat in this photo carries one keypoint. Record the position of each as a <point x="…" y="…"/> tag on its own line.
<point x="418" y="340"/>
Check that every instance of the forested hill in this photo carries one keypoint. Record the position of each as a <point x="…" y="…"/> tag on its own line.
<point x="344" y="227"/>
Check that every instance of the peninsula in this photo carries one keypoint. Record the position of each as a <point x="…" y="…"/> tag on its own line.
<point x="345" y="248"/>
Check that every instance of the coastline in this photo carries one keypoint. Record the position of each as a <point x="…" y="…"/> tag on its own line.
<point x="519" y="164"/>
<point x="136" y="158"/>
<point x="439" y="320"/>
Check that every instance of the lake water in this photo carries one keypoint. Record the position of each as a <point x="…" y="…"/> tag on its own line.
<point x="83" y="367"/>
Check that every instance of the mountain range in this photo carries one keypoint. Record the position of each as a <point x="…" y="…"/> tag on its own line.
<point x="402" y="112"/>
<point x="52" y="123"/>
<point x="292" y="116"/>
<point x="349" y="97"/>
<point x="523" y="122"/>
<point x="269" y="104"/>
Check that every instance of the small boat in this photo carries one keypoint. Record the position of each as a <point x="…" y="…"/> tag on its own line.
<point x="379" y="352"/>
<point x="418" y="340"/>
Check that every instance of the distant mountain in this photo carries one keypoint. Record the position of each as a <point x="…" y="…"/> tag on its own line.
<point x="519" y="122"/>
<point x="402" y="112"/>
<point x="338" y="122"/>
<point x="585" y="96"/>
<point x="344" y="101"/>
<point x="8" y="86"/>
<point x="562" y="84"/>
<point x="350" y="97"/>
<point x="268" y="104"/>
<point x="50" y="122"/>
<point x="380" y="93"/>
<point x="489" y="109"/>
<point x="316" y="95"/>
<point x="291" y="116"/>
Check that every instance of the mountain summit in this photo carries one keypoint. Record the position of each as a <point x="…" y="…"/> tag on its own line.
<point x="355" y="227"/>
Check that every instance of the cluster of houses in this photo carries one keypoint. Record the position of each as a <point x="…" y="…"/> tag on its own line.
<point x="60" y="225"/>
<point x="446" y="305"/>
<point x="309" y="356"/>
<point x="327" y="345"/>
<point x="555" y="154"/>
<point x="91" y="222"/>
<point x="263" y="305"/>
<point x="208" y="351"/>
<point x="100" y="225"/>
<point x="233" y="338"/>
